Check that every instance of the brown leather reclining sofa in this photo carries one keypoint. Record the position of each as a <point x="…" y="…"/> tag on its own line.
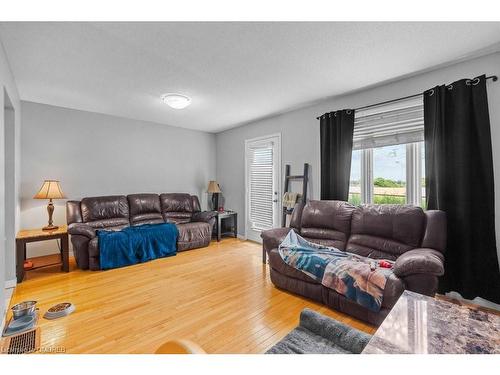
<point x="117" y="212"/>
<point x="414" y="239"/>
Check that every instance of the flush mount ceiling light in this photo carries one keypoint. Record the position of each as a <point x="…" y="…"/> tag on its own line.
<point x="177" y="101"/>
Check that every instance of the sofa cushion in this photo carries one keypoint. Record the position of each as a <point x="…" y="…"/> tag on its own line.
<point x="102" y="208"/>
<point x="376" y="247"/>
<point x="326" y="237"/>
<point x="176" y="202"/>
<point x="385" y="231"/>
<point x="176" y="208"/>
<point x="145" y="208"/>
<point x="326" y="242"/>
<point x="177" y="217"/>
<point x="109" y="223"/>
<point x="327" y="220"/>
<point x="147" y="219"/>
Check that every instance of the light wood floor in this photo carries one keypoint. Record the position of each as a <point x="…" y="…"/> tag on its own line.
<point x="219" y="297"/>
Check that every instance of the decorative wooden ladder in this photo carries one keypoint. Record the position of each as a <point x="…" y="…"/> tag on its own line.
<point x="288" y="178"/>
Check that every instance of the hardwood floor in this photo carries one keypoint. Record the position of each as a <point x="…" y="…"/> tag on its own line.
<point x="219" y="297"/>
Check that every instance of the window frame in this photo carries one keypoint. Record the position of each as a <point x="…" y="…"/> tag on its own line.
<point x="413" y="174"/>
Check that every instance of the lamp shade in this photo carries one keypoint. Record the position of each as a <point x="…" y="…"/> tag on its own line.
<point x="213" y="187"/>
<point x="50" y="190"/>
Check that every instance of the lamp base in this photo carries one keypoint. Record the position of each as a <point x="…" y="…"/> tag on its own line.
<point x="215" y="201"/>
<point x="50" y="211"/>
<point x="50" y="227"/>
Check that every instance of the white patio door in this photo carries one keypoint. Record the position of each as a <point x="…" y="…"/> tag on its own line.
<point x="263" y="198"/>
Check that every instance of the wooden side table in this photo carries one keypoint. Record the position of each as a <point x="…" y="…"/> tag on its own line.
<point x="226" y="215"/>
<point x="35" y="235"/>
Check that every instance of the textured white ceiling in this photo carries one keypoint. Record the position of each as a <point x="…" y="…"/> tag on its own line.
<point x="234" y="72"/>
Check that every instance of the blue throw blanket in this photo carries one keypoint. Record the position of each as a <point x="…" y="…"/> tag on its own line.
<point x="357" y="278"/>
<point x="138" y="244"/>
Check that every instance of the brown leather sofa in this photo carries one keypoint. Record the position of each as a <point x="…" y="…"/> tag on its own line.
<point x="117" y="212"/>
<point x="414" y="239"/>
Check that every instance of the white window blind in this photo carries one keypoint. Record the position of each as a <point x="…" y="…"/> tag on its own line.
<point x="390" y="124"/>
<point x="261" y="187"/>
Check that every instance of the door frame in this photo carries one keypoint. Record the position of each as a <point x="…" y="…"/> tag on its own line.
<point x="279" y="187"/>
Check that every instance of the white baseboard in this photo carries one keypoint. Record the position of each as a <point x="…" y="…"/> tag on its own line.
<point x="254" y="241"/>
<point x="3" y="314"/>
<point x="9" y="284"/>
<point x="242" y="237"/>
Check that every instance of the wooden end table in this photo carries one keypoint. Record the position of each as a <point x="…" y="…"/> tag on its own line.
<point x="26" y="236"/>
<point x="223" y="215"/>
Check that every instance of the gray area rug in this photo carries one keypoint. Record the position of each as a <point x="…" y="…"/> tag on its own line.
<point x="319" y="334"/>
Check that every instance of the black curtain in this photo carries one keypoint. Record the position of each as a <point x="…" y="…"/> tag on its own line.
<point x="336" y="130"/>
<point x="459" y="181"/>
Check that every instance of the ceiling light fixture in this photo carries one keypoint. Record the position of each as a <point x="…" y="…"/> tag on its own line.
<point x="177" y="101"/>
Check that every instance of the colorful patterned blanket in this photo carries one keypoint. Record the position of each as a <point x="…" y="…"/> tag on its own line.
<point x="358" y="278"/>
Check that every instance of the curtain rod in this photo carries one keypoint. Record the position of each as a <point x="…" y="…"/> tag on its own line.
<point x="493" y="78"/>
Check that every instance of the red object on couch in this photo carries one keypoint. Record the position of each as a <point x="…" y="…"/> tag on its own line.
<point x="384" y="264"/>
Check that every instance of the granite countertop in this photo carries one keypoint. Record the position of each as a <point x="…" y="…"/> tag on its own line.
<point x="421" y="324"/>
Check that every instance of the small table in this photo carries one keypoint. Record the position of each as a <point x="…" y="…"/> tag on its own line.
<point x="34" y="235"/>
<point x="222" y="215"/>
<point x="420" y="324"/>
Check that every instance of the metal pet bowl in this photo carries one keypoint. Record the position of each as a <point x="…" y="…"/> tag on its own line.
<point x="23" y="309"/>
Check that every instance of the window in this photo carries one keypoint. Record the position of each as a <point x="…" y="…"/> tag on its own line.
<point x="389" y="174"/>
<point x="388" y="154"/>
<point x="355" y="180"/>
<point x="261" y="187"/>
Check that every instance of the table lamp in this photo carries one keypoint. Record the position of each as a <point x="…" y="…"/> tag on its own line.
<point x="213" y="187"/>
<point x="50" y="190"/>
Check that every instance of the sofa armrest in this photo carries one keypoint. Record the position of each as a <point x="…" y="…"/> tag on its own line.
<point x="419" y="261"/>
<point x="271" y="238"/>
<point x="204" y="216"/>
<point x="82" y="230"/>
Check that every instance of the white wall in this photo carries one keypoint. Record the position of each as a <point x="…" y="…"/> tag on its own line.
<point x="94" y="154"/>
<point x="300" y="129"/>
<point x="10" y="122"/>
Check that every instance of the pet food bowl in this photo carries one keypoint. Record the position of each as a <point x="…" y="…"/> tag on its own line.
<point x="23" y="309"/>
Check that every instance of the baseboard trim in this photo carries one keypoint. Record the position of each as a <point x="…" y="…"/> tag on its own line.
<point x="9" y="284"/>
<point x="254" y="241"/>
<point x="242" y="237"/>
<point x="8" y="295"/>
